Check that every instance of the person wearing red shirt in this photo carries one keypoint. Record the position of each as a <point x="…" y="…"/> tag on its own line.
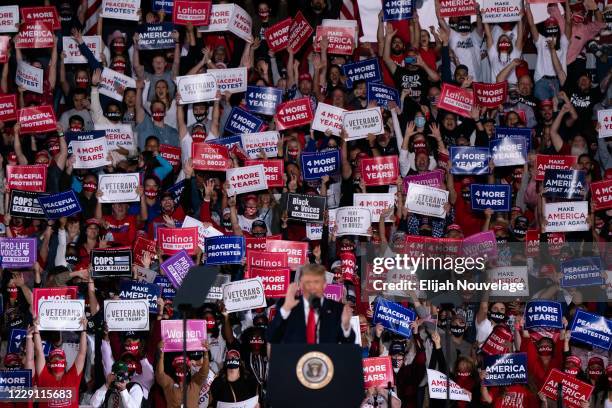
<point x="121" y="225"/>
<point x="471" y="223"/>
<point x="53" y="373"/>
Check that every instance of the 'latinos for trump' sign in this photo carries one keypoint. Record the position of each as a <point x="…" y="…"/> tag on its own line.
<point x="457" y="100"/>
<point x="173" y="240"/>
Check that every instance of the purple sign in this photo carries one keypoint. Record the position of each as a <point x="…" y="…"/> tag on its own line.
<point x="18" y="252"/>
<point x="482" y="244"/>
<point x="176" y="267"/>
<point x="172" y="335"/>
<point x="430" y="179"/>
<point x="334" y="291"/>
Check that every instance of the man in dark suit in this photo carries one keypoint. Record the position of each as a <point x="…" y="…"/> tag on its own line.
<point x="311" y="318"/>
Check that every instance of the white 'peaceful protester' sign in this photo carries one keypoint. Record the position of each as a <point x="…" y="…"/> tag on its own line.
<point x="353" y="221"/>
<point x="197" y="88"/>
<point x="119" y="188"/>
<point x="566" y="216"/>
<point x="244" y="295"/>
<point x="61" y="314"/>
<point x="426" y="200"/>
<point x="125" y="315"/>
<point x="360" y="123"/>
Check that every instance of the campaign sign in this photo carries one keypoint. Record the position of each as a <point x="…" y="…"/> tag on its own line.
<point x="211" y="157"/>
<point x="263" y="99"/>
<point x="500" y="11"/>
<point x="567" y="184"/>
<point x="318" y="164"/>
<point x="353" y="221"/>
<point x="163" y="5"/>
<point x="297" y="252"/>
<point x="168" y="291"/>
<point x="274" y="169"/>
<point x="543" y="313"/>
<point x="341" y="40"/>
<point x="121" y="9"/>
<point x="241" y="121"/>
<point x="377" y="372"/>
<point x="266" y="259"/>
<point x="244" y="294"/>
<point x="501" y="132"/>
<point x="227" y="141"/>
<point x="592" y="329"/>
<point x="509" y="275"/>
<point x="509" y="151"/>
<point x="430" y="178"/>
<point x="61" y="315"/>
<point x="9" y="19"/>
<point x="60" y="205"/>
<point x="124" y="315"/>
<point x="553" y="162"/>
<point x="172" y="335"/>
<point x="224" y="249"/>
<point x="68" y="292"/>
<point x="376" y="202"/>
<point x="173" y="240"/>
<point x="456" y="99"/>
<point x="117" y="135"/>
<point x="155" y="36"/>
<point x="379" y="171"/>
<point x="196" y="13"/>
<point x="172" y="154"/>
<point x="229" y="17"/>
<point x="299" y="32"/>
<point x="334" y="291"/>
<point x="4" y="47"/>
<point x="601" y="195"/>
<point x="382" y="95"/>
<point x="113" y="84"/>
<point x="457" y="8"/>
<point x="604" y="118"/>
<point x="567" y="216"/>
<point x="360" y="123"/>
<point x="328" y="118"/>
<point x="490" y="95"/>
<point x="505" y="369"/>
<point x="233" y="80"/>
<point x="397" y="10"/>
<point x="246" y="179"/>
<point x="142" y="246"/>
<point x="277" y="35"/>
<point x="110" y="262"/>
<point x="14" y="380"/>
<point x="27" y="177"/>
<point x="119" y="188"/>
<point x="18" y="252"/>
<point x="25" y="204"/>
<point x="255" y="143"/>
<point x="197" y="88"/>
<point x="203" y="232"/>
<point x="216" y="292"/>
<point x="573" y="391"/>
<point x="8" y="108"/>
<point x="393" y="317"/>
<point x="176" y="267"/>
<point x="426" y="200"/>
<point x="34" y="35"/>
<point x="497" y="197"/>
<point x="480" y="244"/>
<point x="294" y="113"/>
<point x="90" y="154"/>
<point x="439" y="385"/>
<point x="37" y="119"/>
<point x="582" y="272"/>
<point x="275" y="280"/>
<point x="141" y="290"/>
<point x="73" y="53"/>
<point x="366" y="70"/>
<point x="469" y="160"/>
<point x="309" y="208"/>
<point x="29" y="77"/>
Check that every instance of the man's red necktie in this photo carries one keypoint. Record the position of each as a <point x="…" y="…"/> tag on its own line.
<point x="311" y="327"/>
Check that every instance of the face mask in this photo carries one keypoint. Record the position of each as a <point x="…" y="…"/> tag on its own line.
<point x="293" y="153"/>
<point x="72" y="259"/>
<point x="419" y="121"/>
<point x="463" y="374"/>
<point x="396" y="362"/>
<point x="200" y="117"/>
<point x="198" y="137"/>
<point x="113" y="116"/>
<point x="211" y="324"/>
<point x="90" y="187"/>
<point x="264" y="14"/>
<point x="501" y="240"/>
<point x="119" y="48"/>
<point x="577" y="151"/>
<point x="545" y="350"/>
<point x="434" y="99"/>
<point x="594" y="374"/>
<point x="158" y="116"/>
<point x="250" y="211"/>
<point x="82" y="83"/>
<point x="232" y="363"/>
<point x="571" y="371"/>
<point x="58" y="366"/>
<point x="457" y="331"/>
<point x="464" y="27"/>
<point x="256" y="343"/>
<point x="119" y="66"/>
<point x="465" y="195"/>
<point x="65" y="16"/>
<point x="133" y="347"/>
<point x="551" y="31"/>
<point x="504" y="46"/>
<point x="13" y="293"/>
<point x="150" y="193"/>
<point x="497" y="317"/>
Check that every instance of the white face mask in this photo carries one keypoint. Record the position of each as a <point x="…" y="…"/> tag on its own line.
<point x="194" y="369"/>
<point x="577" y="151"/>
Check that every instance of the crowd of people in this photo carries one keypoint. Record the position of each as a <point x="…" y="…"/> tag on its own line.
<point x="558" y="76"/>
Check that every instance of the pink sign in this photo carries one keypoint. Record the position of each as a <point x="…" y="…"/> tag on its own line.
<point x="457" y="100"/>
<point x="482" y="244"/>
<point x="431" y="179"/>
<point x="334" y="291"/>
<point x="172" y="335"/>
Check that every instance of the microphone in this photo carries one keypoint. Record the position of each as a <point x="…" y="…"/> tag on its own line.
<point x="315" y="302"/>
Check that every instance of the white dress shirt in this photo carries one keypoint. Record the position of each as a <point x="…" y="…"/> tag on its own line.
<point x="285" y="315"/>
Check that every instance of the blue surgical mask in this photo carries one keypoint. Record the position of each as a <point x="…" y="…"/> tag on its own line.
<point x="419" y="121"/>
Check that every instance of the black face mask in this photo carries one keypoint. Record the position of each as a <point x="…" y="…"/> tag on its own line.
<point x="200" y="118"/>
<point x="259" y="234"/>
<point x="497" y="317"/>
<point x="72" y="259"/>
<point x="464" y="27"/>
<point x="501" y="240"/>
<point x="465" y="195"/>
<point x="232" y="363"/>
<point x="457" y="331"/>
<point x="227" y="223"/>
<point x="113" y="116"/>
